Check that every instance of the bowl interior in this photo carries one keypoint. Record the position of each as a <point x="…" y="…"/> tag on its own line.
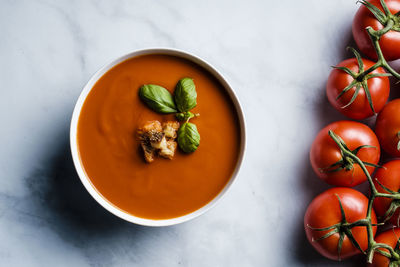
<point x="78" y="163"/>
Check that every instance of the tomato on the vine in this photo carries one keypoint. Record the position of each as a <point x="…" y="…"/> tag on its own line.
<point x="387" y="128"/>
<point x="389" y="237"/>
<point x="388" y="177"/>
<point x="389" y="42"/>
<point x="354" y="102"/>
<point x="325" y="211"/>
<point x="334" y="168"/>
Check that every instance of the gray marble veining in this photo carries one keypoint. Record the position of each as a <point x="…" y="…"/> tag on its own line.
<point x="275" y="54"/>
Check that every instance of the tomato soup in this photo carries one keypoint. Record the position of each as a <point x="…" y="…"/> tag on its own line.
<point x="113" y="159"/>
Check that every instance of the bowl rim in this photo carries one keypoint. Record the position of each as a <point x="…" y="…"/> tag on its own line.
<point x="79" y="165"/>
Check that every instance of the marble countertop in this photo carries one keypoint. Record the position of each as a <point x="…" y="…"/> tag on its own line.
<point x="276" y="55"/>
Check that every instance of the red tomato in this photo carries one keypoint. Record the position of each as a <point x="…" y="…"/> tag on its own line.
<point x="389" y="237"/>
<point x="387" y="127"/>
<point x="390" y="42"/>
<point x="324" y="211"/>
<point x="379" y="89"/>
<point x="388" y="176"/>
<point x="325" y="152"/>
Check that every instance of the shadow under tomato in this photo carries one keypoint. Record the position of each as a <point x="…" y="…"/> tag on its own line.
<point x="303" y="251"/>
<point x="324" y="114"/>
<point x="312" y="185"/>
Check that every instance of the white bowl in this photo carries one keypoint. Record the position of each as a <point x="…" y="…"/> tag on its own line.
<point x="78" y="163"/>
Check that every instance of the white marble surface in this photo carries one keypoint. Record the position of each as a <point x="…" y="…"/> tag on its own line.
<point x="275" y="54"/>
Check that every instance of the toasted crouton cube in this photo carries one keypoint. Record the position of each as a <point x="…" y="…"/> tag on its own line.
<point x="159" y="144"/>
<point x="150" y="135"/>
<point x="170" y="128"/>
<point x="169" y="150"/>
<point x="151" y="126"/>
<point x="149" y="151"/>
<point x="158" y="139"/>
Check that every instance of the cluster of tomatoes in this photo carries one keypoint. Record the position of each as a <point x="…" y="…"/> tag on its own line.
<point x="342" y="222"/>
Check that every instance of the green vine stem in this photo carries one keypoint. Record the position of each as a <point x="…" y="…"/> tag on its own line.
<point x="389" y="22"/>
<point x="372" y="244"/>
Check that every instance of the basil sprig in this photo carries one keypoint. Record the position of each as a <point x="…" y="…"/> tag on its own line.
<point x="157" y="98"/>
<point x="188" y="137"/>
<point x="185" y="95"/>
<point x="160" y="100"/>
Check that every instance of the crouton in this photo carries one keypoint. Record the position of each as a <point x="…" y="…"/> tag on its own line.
<point x="170" y="129"/>
<point x="150" y="135"/>
<point x="169" y="150"/>
<point x="159" y="143"/>
<point x="158" y="139"/>
<point x="149" y="151"/>
<point x="151" y="126"/>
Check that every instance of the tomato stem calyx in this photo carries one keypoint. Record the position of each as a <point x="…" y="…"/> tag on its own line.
<point x="343" y="228"/>
<point x="390" y="22"/>
<point x="385" y="17"/>
<point x="360" y="79"/>
<point x="348" y="156"/>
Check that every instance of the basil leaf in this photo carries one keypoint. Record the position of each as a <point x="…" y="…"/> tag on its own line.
<point x="157" y="98"/>
<point x="185" y="116"/>
<point x="188" y="137"/>
<point x="185" y="94"/>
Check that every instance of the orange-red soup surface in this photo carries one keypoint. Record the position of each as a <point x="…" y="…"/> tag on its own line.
<point x="111" y="154"/>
